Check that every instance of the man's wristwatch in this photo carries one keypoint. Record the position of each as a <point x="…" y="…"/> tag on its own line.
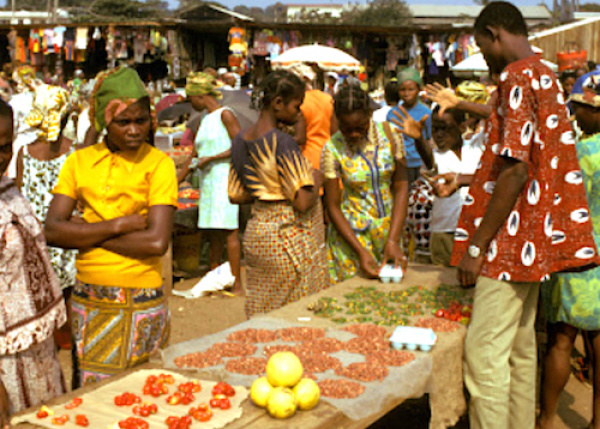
<point x="474" y="251"/>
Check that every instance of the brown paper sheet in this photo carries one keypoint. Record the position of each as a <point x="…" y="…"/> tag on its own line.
<point x="101" y="411"/>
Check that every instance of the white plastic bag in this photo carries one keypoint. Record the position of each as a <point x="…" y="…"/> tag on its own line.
<point x="216" y="280"/>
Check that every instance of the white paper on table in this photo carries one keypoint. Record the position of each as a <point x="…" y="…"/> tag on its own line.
<point x="216" y="280"/>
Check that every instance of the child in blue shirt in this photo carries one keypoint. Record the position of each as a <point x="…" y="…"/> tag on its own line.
<point x="409" y="82"/>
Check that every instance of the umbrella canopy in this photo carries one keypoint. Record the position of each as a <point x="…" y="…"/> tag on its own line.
<point x="328" y="59"/>
<point x="476" y="65"/>
<point x="239" y="101"/>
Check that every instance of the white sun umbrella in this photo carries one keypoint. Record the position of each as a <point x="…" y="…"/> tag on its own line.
<point x="476" y="65"/>
<point x="327" y="58"/>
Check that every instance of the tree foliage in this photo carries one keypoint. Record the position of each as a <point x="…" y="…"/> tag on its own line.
<point x="383" y="13"/>
<point x="589" y="7"/>
<point x="113" y="10"/>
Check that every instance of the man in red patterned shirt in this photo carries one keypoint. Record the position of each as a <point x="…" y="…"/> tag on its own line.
<point x="526" y="216"/>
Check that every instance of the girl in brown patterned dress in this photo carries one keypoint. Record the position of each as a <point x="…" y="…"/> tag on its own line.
<point x="31" y="301"/>
<point x="284" y="241"/>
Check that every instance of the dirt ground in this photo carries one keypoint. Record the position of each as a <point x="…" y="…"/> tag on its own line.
<point x="192" y="318"/>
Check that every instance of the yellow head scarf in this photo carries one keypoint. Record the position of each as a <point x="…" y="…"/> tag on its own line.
<point x="50" y="106"/>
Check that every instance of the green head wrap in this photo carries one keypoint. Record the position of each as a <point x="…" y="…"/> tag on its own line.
<point x="199" y="83"/>
<point x="410" y="74"/>
<point x="114" y="90"/>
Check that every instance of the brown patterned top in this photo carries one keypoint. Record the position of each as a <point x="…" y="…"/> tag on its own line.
<point x="271" y="168"/>
<point x="31" y="302"/>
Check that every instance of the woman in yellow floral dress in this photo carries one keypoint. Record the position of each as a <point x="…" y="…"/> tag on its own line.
<point x="368" y="214"/>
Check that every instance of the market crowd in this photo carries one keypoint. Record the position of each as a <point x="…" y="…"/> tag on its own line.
<point x="500" y="179"/>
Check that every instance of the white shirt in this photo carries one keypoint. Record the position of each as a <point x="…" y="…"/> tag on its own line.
<point x="380" y="115"/>
<point x="446" y="211"/>
<point x="24" y="134"/>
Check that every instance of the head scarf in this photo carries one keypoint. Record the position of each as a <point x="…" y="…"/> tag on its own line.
<point x="115" y="91"/>
<point x="304" y="72"/>
<point x="200" y="83"/>
<point x="587" y="89"/>
<point x="25" y="78"/>
<point x="474" y="92"/>
<point x="50" y="106"/>
<point x="410" y="74"/>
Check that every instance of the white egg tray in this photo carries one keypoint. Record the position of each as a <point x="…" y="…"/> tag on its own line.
<point x="412" y="338"/>
<point x="389" y="273"/>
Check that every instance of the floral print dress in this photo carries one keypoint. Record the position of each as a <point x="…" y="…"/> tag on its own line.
<point x="39" y="178"/>
<point x="366" y="174"/>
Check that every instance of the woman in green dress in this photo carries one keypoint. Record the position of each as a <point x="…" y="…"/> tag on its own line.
<point x="368" y="214"/>
<point x="572" y="300"/>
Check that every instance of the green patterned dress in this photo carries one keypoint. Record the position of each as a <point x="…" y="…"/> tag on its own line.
<point x="366" y="174"/>
<point x="574" y="298"/>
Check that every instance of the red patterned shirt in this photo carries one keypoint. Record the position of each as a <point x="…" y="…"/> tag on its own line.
<point x="549" y="228"/>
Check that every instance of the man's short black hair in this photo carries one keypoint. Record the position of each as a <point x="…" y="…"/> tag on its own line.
<point x="501" y="14"/>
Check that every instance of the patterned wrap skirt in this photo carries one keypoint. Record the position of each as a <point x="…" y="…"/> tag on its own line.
<point x="286" y="257"/>
<point x="116" y="328"/>
<point x="32" y="376"/>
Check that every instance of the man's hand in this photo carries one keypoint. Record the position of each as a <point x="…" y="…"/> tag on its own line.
<point x="408" y="125"/>
<point x="203" y="162"/>
<point x="469" y="269"/>
<point x="445" y="97"/>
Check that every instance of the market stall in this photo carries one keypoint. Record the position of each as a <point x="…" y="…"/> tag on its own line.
<point x="438" y="372"/>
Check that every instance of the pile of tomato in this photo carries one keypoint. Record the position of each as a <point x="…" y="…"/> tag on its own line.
<point x="134" y="423"/>
<point x="157" y="385"/>
<point x="145" y="409"/>
<point x="456" y="312"/>
<point x="127" y="399"/>
<point x="175" y="422"/>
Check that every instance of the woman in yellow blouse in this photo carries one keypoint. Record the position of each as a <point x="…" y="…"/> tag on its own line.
<point x="128" y="191"/>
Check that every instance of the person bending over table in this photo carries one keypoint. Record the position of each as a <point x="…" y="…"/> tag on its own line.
<point x="284" y="242"/>
<point x="128" y="190"/>
<point x="368" y="214"/>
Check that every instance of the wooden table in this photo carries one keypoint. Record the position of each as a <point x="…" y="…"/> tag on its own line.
<point x="446" y="388"/>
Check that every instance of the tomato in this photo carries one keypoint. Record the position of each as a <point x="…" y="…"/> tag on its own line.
<point x="196" y="386"/>
<point x="164" y="389"/>
<point x="229" y="390"/>
<point x="42" y="414"/>
<point x="155" y="391"/>
<point x="169" y="379"/>
<point x="74" y="403"/>
<point x="151" y="379"/>
<point x="224" y="404"/>
<point x="440" y="313"/>
<point x="153" y="408"/>
<point x="173" y="400"/>
<point x="81" y="420"/>
<point x="218" y="389"/>
<point x="203" y="416"/>
<point x="203" y="407"/>
<point x="60" y="420"/>
<point x="215" y="403"/>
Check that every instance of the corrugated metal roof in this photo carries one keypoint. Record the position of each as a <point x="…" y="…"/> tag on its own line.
<point x="561" y="28"/>
<point x="230" y="13"/>
<point x="453" y="11"/>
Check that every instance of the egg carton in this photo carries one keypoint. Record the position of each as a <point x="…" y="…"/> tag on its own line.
<point x="389" y="273"/>
<point x="413" y="338"/>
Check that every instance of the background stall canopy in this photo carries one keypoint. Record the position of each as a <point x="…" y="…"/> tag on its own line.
<point x="327" y="58"/>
